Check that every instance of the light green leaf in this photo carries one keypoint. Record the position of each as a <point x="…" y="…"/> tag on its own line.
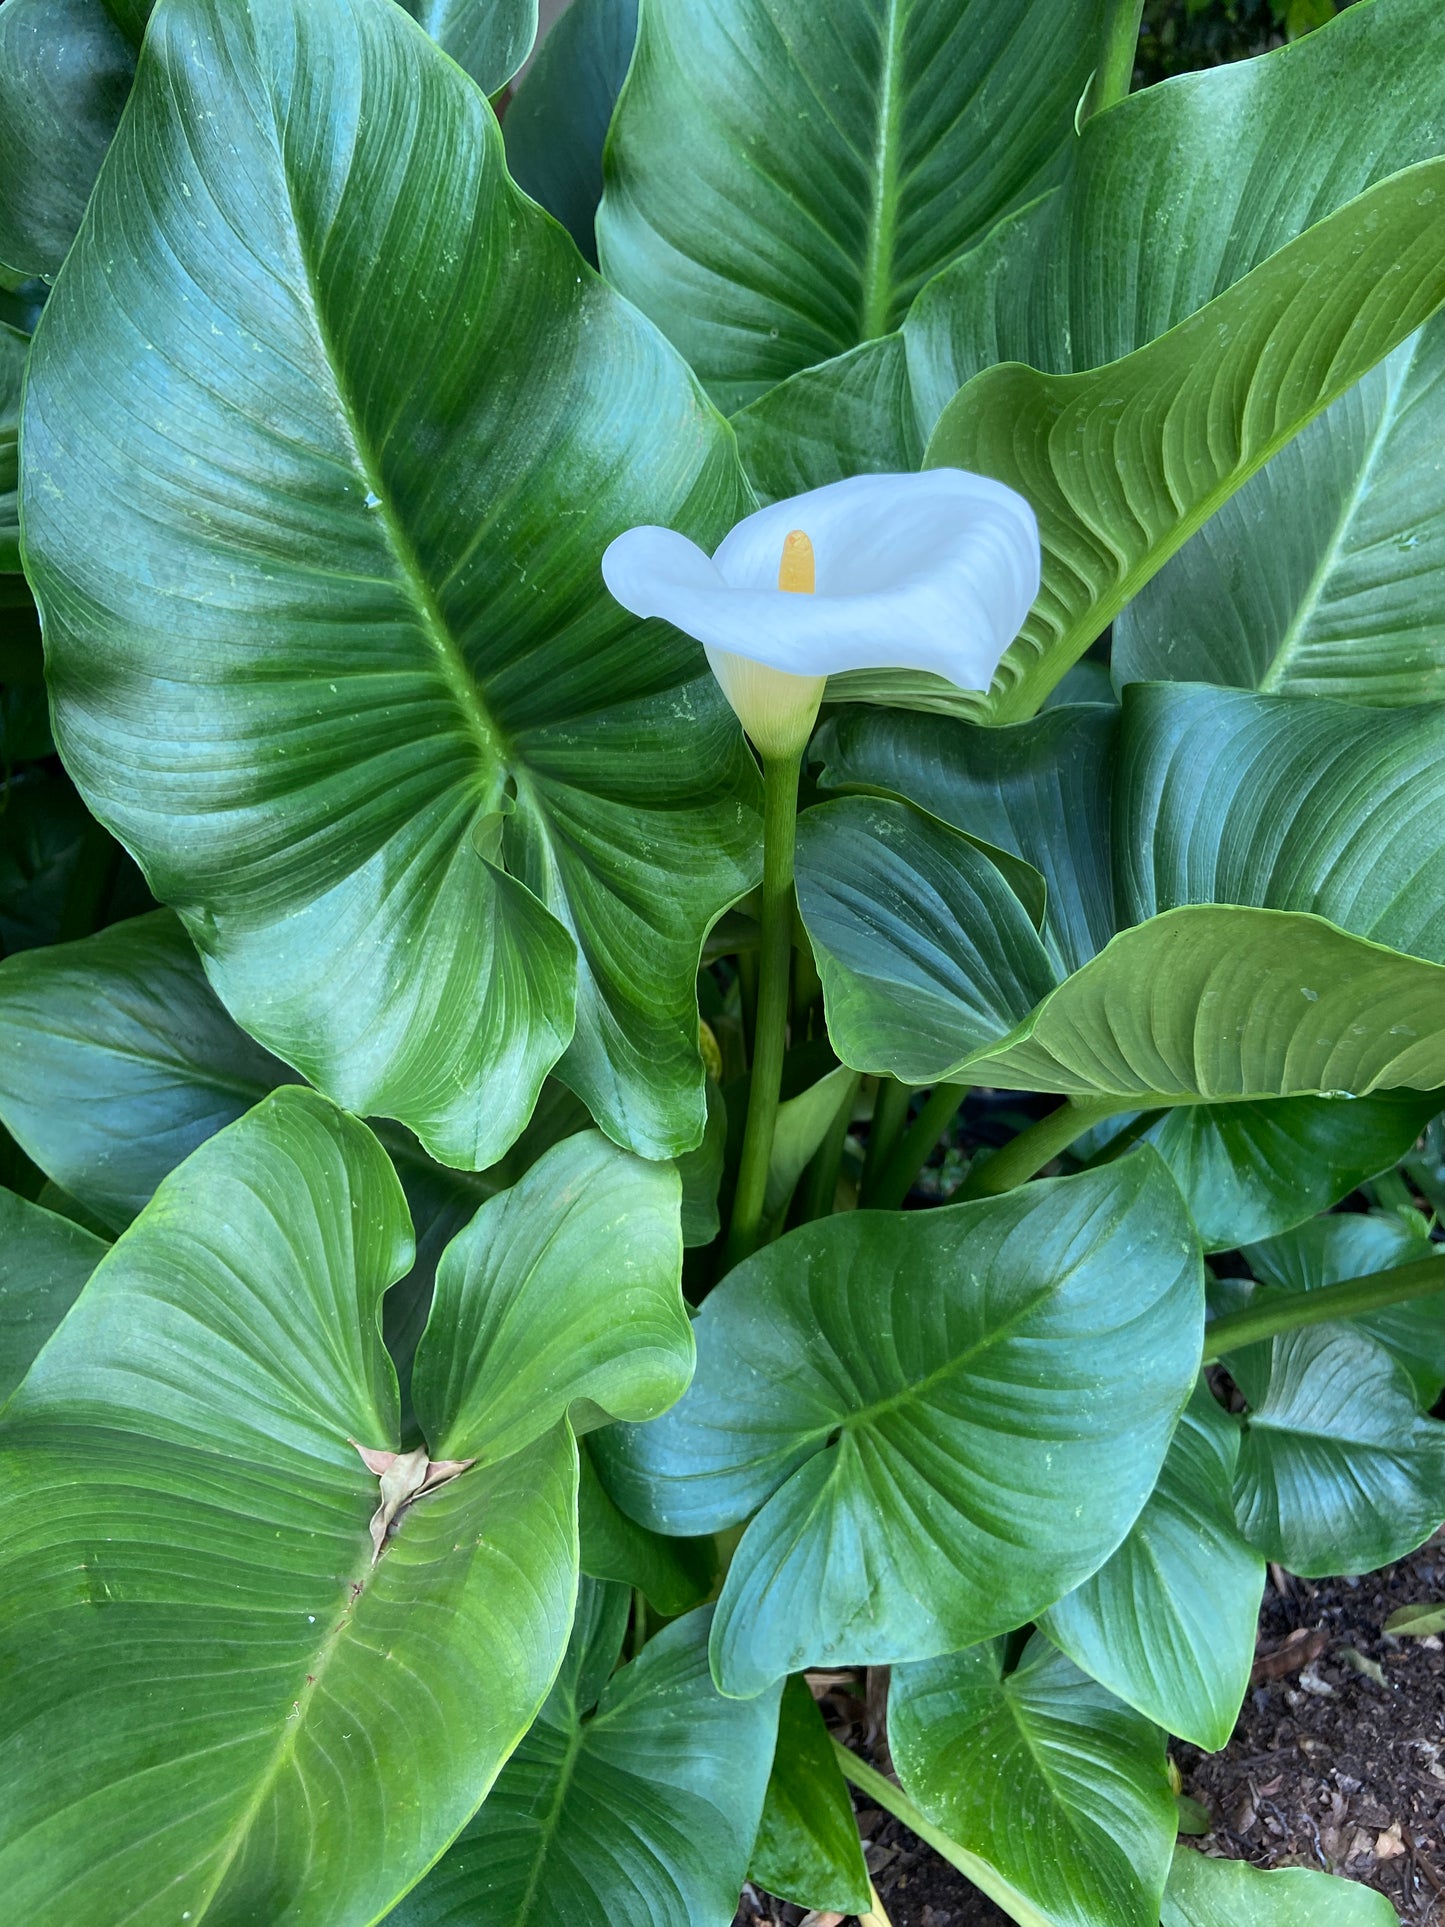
<point x="224" y="1707"/>
<point x="808" y="1850"/>
<point x="642" y="1813"/>
<point x="1338" y="1470"/>
<point x="1320" y="576"/>
<point x="461" y="791"/>
<point x="1204" y="1892"/>
<point x="1168" y="1623"/>
<point x="1123" y="464"/>
<point x="44" y="1261"/>
<point x="802" y="1124"/>
<point x="567" y="1287"/>
<point x="674" y="1574"/>
<point x="1055" y="1784"/>
<point x="1352" y="1245"/>
<point x="960" y="1394"/>
<point x="558" y="117"/>
<point x="1416" y="1622"/>
<point x="1106" y="262"/>
<point x="782" y="181"/>
<point x="488" y="39"/>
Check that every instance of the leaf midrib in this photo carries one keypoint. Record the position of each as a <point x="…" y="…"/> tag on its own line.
<point x="877" y="287"/>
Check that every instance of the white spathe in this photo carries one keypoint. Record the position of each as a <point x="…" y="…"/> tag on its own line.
<point x="934" y="571"/>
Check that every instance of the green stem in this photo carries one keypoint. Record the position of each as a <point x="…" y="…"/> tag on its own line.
<point x="1279" y="1312"/>
<point x="820" y="1181"/>
<point x="890" y="1114"/>
<point x="770" y="1037"/>
<point x="894" y="1800"/>
<point x="912" y="1152"/>
<point x="1114" y="74"/>
<point x="1033" y="1148"/>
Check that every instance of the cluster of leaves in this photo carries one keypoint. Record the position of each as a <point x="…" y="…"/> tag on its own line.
<point x="385" y="1533"/>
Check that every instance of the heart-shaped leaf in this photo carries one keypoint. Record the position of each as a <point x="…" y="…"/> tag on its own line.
<point x="967" y="1399"/>
<point x="566" y="1287"/>
<point x="641" y="1812"/>
<point x="782" y="181"/>
<point x="1338" y="1470"/>
<point x="1052" y="1782"/>
<point x="499" y="806"/>
<point x="557" y="119"/>
<point x="807" y="1849"/>
<point x="252" y="1718"/>
<point x="1204" y="1892"/>
<point x="1352" y="1245"/>
<point x="1168" y="1623"/>
<point x="44" y="1262"/>
<point x="1321" y="576"/>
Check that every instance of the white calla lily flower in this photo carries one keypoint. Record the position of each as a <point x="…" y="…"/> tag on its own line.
<point x="934" y="571"/>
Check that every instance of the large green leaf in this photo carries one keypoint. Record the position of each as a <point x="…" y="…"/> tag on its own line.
<point x="1122" y="464"/>
<point x="781" y="180"/>
<point x="1352" y="1245"/>
<point x="1168" y="1623"/>
<point x="674" y="1574"/>
<point x="65" y="70"/>
<point x="1253" y="153"/>
<point x="567" y="1287"/>
<point x="558" y="118"/>
<point x="1321" y="576"/>
<point x="808" y="1850"/>
<point x="423" y="790"/>
<point x="1204" y="1892"/>
<point x="1054" y="1783"/>
<point x="980" y="1397"/>
<point x="643" y="1812"/>
<point x="1338" y="1470"/>
<point x="1263" y="853"/>
<point x="222" y="1705"/>
<point x="44" y="1261"/>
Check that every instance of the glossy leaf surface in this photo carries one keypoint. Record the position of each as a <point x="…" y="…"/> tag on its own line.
<point x="566" y="1287"/>
<point x="450" y="760"/>
<point x="488" y="39"/>
<point x="781" y="182"/>
<point x="1053" y="1782"/>
<point x="1204" y="1892"/>
<point x="673" y="1574"/>
<point x="1168" y="1622"/>
<point x="1320" y="577"/>
<point x="1338" y="1470"/>
<point x="44" y="1262"/>
<point x="1352" y="1245"/>
<point x="642" y="1812"/>
<point x="958" y="1394"/>
<point x="808" y="1850"/>
<point x="249" y="1717"/>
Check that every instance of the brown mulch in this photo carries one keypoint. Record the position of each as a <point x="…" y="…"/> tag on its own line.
<point x="1328" y="1767"/>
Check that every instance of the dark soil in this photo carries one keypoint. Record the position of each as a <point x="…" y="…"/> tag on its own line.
<point x="1329" y="1766"/>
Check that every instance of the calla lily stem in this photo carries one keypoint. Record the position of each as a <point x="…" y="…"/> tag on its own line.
<point x="770" y="1034"/>
<point x="1033" y="1148"/>
<point x="890" y="1115"/>
<point x="1114" y="74"/>
<point x="1275" y="1312"/>
<point x="896" y="1177"/>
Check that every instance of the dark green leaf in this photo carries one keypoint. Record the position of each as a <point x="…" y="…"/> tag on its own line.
<point x="675" y="1574"/>
<point x="489" y="39"/>
<point x="1204" y="1892"/>
<point x="461" y="791"/>
<point x="1338" y="1471"/>
<point x="254" y="1721"/>
<point x="1055" y="1784"/>
<point x="979" y="1396"/>
<point x="567" y="1287"/>
<point x="1168" y="1623"/>
<point x="1352" y="1245"/>
<point x="643" y="1813"/>
<point x="44" y="1261"/>
<point x="782" y="180"/>
<point x="807" y="1849"/>
<point x="558" y="118"/>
